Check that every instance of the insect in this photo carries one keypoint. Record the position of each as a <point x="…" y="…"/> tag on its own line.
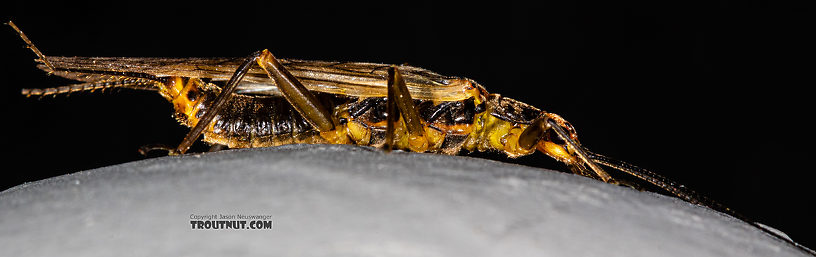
<point x="261" y="101"/>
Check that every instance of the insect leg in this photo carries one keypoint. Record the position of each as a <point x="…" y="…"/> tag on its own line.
<point x="534" y="133"/>
<point x="217" y="105"/>
<point x="400" y="103"/>
<point x="582" y="155"/>
<point x="392" y="114"/>
<point x="296" y="94"/>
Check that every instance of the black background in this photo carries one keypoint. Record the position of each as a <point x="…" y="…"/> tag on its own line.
<point x="712" y="95"/>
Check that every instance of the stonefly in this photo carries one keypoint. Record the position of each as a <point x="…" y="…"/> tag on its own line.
<point x="262" y="101"/>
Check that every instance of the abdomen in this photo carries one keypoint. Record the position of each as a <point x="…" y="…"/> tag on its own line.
<point x="245" y="120"/>
<point x="263" y="121"/>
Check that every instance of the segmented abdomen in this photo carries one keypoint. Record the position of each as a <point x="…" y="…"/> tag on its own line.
<point x="245" y="121"/>
<point x="448" y="124"/>
<point x="261" y="121"/>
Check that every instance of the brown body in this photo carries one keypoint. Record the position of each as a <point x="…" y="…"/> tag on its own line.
<point x="456" y="113"/>
<point x="481" y="122"/>
<point x="277" y="102"/>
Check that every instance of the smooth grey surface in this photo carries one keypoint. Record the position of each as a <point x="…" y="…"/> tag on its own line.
<point x="352" y="201"/>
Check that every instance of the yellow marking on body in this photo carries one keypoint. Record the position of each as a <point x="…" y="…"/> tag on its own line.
<point x="473" y="140"/>
<point x="336" y="136"/>
<point x="474" y="92"/>
<point x="511" y="145"/>
<point x="191" y="113"/>
<point x="174" y="90"/>
<point x="170" y="88"/>
<point x="496" y="132"/>
<point x="434" y="137"/>
<point x="460" y="129"/>
<point x="400" y="137"/>
<point x="492" y="133"/>
<point x="181" y="102"/>
<point x="417" y="143"/>
<point x="232" y="142"/>
<point x="359" y="133"/>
